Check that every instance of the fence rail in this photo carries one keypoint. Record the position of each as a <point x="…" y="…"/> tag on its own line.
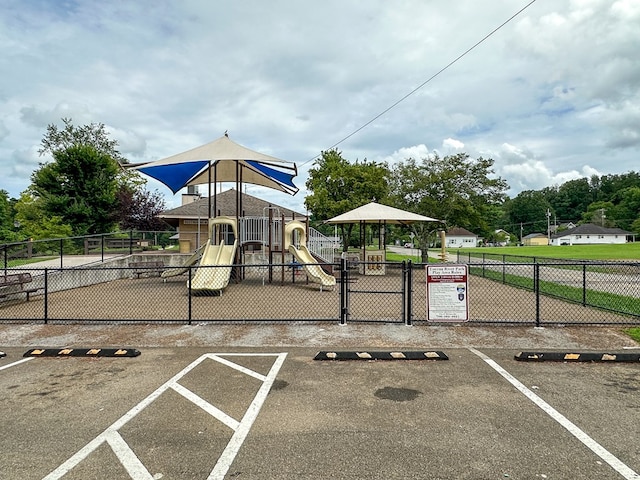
<point x="134" y="288"/>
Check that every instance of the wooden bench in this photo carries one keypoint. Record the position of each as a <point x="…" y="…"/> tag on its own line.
<point x="148" y="266"/>
<point x="14" y="283"/>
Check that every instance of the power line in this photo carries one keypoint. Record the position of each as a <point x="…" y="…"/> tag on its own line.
<point x="446" y="67"/>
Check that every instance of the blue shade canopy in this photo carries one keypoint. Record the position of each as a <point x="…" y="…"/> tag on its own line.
<point x="175" y="176"/>
<point x="282" y="177"/>
<point x="222" y="160"/>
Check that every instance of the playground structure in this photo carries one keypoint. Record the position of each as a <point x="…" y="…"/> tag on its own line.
<point x="262" y="242"/>
<point x="218" y="256"/>
<point x="302" y="254"/>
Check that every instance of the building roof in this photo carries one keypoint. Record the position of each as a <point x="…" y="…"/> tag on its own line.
<point x="459" y="232"/>
<point x="226" y="205"/>
<point x="534" y="235"/>
<point x="591" y="229"/>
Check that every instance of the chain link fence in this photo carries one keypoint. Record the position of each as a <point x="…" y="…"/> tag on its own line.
<point x="157" y="289"/>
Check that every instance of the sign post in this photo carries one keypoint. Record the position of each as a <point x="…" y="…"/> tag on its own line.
<point x="447" y="293"/>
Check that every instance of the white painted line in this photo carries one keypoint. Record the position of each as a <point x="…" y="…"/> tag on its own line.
<point x="130" y="461"/>
<point x="235" y="366"/>
<point x="232" y="448"/>
<point x="16" y="363"/>
<point x="589" y="442"/>
<point x="96" y="442"/>
<point x="230" y="422"/>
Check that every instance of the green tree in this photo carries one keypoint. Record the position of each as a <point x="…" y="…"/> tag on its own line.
<point x="337" y="186"/>
<point x="627" y="207"/>
<point x="36" y="223"/>
<point x="529" y="211"/>
<point x="6" y="217"/>
<point x="94" y="134"/>
<point x="570" y="199"/>
<point x="459" y="190"/>
<point x="84" y="185"/>
<point x="597" y="213"/>
<point x="80" y="187"/>
<point x="609" y="185"/>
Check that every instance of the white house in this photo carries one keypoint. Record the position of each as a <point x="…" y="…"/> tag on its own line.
<point x="460" y="237"/>
<point x="590" y="234"/>
<point x="506" y="237"/>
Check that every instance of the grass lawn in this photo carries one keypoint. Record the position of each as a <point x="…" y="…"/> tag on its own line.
<point x="634" y="333"/>
<point x="625" y="251"/>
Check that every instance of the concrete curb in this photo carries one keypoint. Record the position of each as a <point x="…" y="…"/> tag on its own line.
<point x="414" y="355"/>
<point x="577" y="357"/>
<point x="82" y="352"/>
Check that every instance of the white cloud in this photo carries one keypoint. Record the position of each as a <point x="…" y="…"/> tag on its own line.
<point x="552" y="91"/>
<point x="452" y="143"/>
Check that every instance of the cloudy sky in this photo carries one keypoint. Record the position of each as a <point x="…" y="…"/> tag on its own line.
<point x="551" y="96"/>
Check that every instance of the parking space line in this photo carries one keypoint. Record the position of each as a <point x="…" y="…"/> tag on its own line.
<point x="132" y="463"/>
<point x="230" y="422"/>
<point x="128" y="459"/>
<point x="589" y="442"/>
<point x="16" y="363"/>
<point x="235" y="366"/>
<point x="229" y="454"/>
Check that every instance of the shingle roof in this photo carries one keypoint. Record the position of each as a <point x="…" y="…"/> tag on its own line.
<point x="226" y="205"/>
<point x="459" y="232"/>
<point x="591" y="229"/>
<point x="535" y="235"/>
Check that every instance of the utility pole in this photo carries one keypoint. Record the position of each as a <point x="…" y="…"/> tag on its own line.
<point x="520" y="233"/>
<point x="548" y="227"/>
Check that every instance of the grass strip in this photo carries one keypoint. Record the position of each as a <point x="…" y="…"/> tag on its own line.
<point x="590" y="298"/>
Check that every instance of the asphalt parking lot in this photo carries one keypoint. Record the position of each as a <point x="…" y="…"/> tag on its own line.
<point x="275" y="412"/>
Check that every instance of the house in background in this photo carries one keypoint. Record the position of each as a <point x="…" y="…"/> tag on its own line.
<point x="535" y="239"/>
<point x="562" y="227"/>
<point x="460" y="237"/>
<point x="504" y="236"/>
<point x="590" y="234"/>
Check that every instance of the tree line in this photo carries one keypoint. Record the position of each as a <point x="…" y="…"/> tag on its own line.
<point x="84" y="189"/>
<point x="465" y="192"/>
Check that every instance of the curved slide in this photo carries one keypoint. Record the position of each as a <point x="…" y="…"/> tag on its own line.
<point x="304" y="257"/>
<point x="217" y="259"/>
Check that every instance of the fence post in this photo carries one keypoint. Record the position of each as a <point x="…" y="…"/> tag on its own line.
<point x="46" y="296"/>
<point x="61" y="253"/>
<point x="584" y="284"/>
<point x="408" y="281"/>
<point x="344" y="276"/>
<point x="130" y="242"/>
<point x="536" y="287"/>
<point x="189" y="296"/>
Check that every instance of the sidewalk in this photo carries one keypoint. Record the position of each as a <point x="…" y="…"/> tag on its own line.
<point x="322" y="336"/>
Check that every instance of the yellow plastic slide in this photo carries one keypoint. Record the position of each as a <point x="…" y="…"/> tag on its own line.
<point x="192" y="260"/>
<point x="304" y="257"/>
<point x="214" y="270"/>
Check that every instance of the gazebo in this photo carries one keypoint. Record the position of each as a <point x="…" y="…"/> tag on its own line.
<point x="376" y="214"/>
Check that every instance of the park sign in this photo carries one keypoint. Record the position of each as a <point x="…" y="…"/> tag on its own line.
<point x="447" y="293"/>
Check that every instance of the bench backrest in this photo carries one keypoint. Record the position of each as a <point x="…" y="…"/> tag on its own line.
<point x="15" y="279"/>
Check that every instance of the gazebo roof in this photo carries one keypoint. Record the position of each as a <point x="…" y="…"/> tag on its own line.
<point x="377" y="213"/>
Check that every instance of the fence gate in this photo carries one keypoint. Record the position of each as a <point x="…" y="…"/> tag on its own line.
<point x="376" y="292"/>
